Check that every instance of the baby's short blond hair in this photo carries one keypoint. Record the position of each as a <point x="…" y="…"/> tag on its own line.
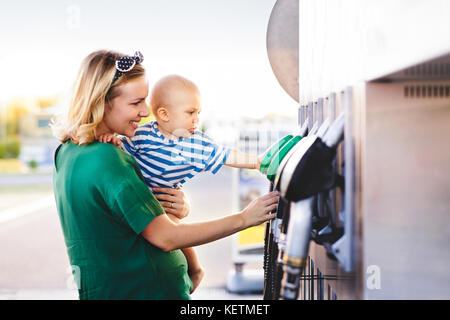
<point x="162" y="90"/>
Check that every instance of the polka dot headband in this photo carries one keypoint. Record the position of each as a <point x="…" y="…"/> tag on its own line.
<point x="126" y="64"/>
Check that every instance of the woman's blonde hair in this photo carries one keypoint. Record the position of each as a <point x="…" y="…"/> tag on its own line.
<point x="92" y="90"/>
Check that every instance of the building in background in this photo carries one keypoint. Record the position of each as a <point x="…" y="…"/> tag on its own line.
<point x="37" y="142"/>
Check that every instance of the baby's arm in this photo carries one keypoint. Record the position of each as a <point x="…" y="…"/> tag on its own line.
<point x="110" y="138"/>
<point x="195" y="270"/>
<point x="176" y="206"/>
<point x="239" y="159"/>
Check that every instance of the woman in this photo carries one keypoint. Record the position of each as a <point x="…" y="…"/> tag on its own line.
<point x="119" y="240"/>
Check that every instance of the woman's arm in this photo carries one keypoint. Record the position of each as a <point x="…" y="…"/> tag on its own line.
<point x="166" y="235"/>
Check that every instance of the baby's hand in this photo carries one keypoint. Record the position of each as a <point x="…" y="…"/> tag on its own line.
<point x="260" y="158"/>
<point x="110" y="138"/>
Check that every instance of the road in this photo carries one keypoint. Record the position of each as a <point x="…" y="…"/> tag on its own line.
<point x="34" y="262"/>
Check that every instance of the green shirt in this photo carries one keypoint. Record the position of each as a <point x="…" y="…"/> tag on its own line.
<point x="104" y="205"/>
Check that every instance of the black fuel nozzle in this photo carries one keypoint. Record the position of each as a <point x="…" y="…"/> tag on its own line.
<point x="320" y="214"/>
<point x="310" y="170"/>
<point x="323" y="220"/>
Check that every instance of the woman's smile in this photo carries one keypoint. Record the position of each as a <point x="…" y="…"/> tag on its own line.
<point x="134" y="124"/>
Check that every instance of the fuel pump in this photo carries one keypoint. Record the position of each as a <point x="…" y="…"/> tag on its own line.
<point x="273" y="232"/>
<point x="264" y="168"/>
<point x="273" y="228"/>
<point x="326" y="227"/>
<point x="283" y="225"/>
<point x="273" y="150"/>
<point x="310" y="169"/>
<point x="277" y="152"/>
<point x="297" y="243"/>
<point x="306" y="173"/>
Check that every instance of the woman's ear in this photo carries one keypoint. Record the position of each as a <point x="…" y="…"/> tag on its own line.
<point x="163" y="114"/>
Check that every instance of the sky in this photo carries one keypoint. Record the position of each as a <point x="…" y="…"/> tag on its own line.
<point x="220" y="45"/>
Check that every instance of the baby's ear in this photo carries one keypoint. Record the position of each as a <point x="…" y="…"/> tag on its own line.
<point x="163" y="114"/>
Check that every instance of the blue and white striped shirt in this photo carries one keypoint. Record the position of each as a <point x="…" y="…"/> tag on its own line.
<point x="169" y="163"/>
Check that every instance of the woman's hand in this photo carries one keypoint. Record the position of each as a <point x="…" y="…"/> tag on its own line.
<point x="174" y="201"/>
<point x="258" y="211"/>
